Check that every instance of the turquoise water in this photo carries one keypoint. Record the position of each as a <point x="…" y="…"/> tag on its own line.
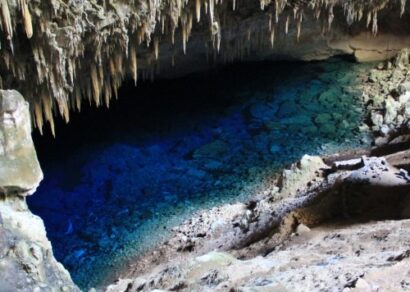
<point x="116" y="181"/>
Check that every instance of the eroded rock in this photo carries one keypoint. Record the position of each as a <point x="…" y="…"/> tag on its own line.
<point x="20" y="170"/>
<point x="316" y="244"/>
<point x="26" y="257"/>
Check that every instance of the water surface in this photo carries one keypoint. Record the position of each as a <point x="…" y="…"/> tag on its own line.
<point x="116" y="181"/>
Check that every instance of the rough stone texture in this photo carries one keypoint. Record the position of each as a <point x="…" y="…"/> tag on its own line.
<point x="20" y="170"/>
<point x="59" y="53"/>
<point x="387" y="95"/>
<point x="331" y="257"/>
<point x="26" y="258"/>
<point x="320" y="240"/>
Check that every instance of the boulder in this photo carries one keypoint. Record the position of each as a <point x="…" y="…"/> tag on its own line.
<point x="404" y="87"/>
<point x="262" y="112"/>
<point x="392" y="108"/>
<point x="20" y="170"/>
<point x="27" y="262"/>
<point x="215" y="149"/>
<point x="403" y="58"/>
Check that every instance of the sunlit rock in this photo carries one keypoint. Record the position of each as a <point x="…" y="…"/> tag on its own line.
<point x="26" y="257"/>
<point x="19" y="168"/>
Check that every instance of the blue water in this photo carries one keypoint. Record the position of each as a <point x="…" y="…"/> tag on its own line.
<point x="116" y="181"/>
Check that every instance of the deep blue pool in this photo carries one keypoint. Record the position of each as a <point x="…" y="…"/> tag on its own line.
<point x="116" y="181"/>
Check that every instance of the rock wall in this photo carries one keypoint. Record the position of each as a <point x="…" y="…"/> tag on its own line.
<point x="60" y="53"/>
<point x="26" y="257"/>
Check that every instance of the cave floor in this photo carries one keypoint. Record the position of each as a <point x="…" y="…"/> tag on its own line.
<point x="117" y="181"/>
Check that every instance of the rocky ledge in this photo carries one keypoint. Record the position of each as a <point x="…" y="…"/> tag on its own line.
<point x="26" y="257"/>
<point x="332" y="223"/>
<point x="323" y="225"/>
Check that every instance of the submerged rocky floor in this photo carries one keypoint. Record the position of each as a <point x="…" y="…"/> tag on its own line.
<point x="116" y="188"/>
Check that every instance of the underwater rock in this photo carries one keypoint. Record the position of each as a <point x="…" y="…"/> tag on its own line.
<point x="263" y="112"/>
<point x="287" y="109"/>
<point x="275" y="148"/>
<point x="215" y="149"/>
<point x="329" y="97"/>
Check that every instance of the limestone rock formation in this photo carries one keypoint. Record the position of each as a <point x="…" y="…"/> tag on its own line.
<point x="20" y="171"/>
<point x="349" y="242"/>
<point x="61" y="53"/>
<point x="26" y="257"/>
<point x="387" y="94"/>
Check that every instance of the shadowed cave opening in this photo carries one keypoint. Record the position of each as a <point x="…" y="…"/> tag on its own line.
<point x="117" y="180"/>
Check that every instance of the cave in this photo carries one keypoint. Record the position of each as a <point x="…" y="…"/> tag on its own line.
<point x="118" y="180"/>
<point x="206" y="145"/>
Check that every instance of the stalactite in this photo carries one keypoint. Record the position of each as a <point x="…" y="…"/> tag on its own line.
<point x="211" y="10"/>
<point x="189" y="25"/>
<point x="107" y="94"/>
<point x="77" y="94"/>
<point x="299" y="25"/>
<point x="374" y="25"/>
<point x="55" y="66"/>
<point x="272" y="37"/>
<point x="6" y="20"/>
<point x="330" y="18"/>
<point x="28" y="26"/>
<point x="402" y="6"/>
<point x="156" y="48"/>
<point x="369" y="19"/>
<point x="65" y="110"/>
<point x="198" y="10"/>
<point x="287" y="25"/>
<point x="95" y="84"/>
<point x="173" y="36"/>
<point x="38" y="116"/>
<point x="184" y="39"/>
<point x="134" y="63"/>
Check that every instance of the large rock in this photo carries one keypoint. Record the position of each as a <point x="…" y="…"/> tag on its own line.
<point x="26" y="257"/>
<point x="27" y="262"/>
<point x="20" y="170"/>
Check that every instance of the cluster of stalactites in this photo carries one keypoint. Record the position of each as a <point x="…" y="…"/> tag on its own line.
<point x="66" y="75"/>
<point x="6" y="20"/>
